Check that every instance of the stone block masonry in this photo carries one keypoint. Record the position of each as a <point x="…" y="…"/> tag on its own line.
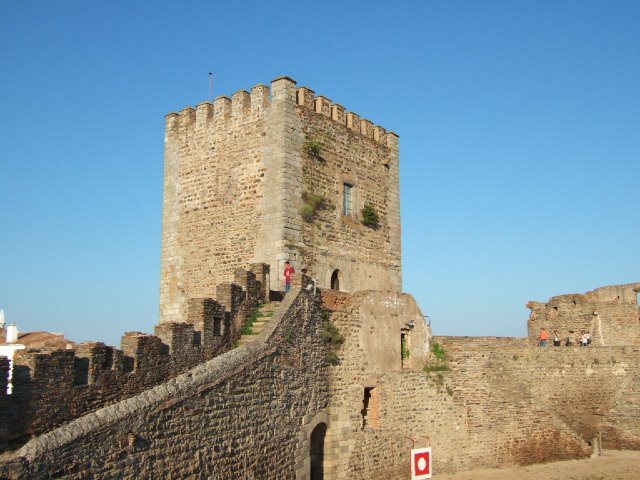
<point x="235" y="174"/>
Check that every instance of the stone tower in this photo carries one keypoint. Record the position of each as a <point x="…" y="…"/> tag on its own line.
<point x="271" y="175"/>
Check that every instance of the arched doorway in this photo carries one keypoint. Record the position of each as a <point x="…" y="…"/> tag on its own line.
<point x="316" y="451"/>
<point x="335" y="280"/>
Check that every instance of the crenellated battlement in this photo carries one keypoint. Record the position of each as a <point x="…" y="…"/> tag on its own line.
<point x="244" y="106"/>
<point x="306" y="98"/>
<point x="53" y="387"/>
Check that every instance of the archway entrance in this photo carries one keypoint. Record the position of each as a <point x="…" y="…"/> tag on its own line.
<point x="335" y="280"/>
<point x="316" y="451"/>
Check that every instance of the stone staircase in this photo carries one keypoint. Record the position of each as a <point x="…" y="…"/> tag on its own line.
<point x="256" y="323"/>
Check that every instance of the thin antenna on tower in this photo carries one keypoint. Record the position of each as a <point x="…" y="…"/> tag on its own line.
<point x="210" y="85"/>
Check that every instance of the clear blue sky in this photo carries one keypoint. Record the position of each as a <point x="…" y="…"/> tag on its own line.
<point x="519" y="124"/>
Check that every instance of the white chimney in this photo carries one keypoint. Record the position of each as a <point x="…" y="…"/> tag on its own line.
<point x="2" y="321"/>
<point x="12" y="333"/>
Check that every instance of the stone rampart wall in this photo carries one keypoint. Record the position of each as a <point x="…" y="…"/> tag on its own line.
<point x="54" y="387"/>
<point x="243" y="414"/>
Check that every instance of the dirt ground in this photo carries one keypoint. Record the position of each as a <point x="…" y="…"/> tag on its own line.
<point x="612" y="465"/>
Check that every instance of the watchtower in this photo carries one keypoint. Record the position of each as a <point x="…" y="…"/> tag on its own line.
<point x="271" y="175"/>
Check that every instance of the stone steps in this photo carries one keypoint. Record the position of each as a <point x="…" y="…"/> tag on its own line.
<point x="265" y="312"/>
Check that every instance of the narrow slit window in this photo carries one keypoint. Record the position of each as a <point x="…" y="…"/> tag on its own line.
<point x="370" y="412"/>
<point x="365" y="405"/>
<point x="347" y="203"/>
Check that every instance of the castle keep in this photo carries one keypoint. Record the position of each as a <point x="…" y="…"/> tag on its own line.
<point x="339" y="377"/>
<point x="273" y="175"/>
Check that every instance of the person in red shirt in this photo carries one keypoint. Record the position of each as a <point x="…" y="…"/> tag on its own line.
<point x="289" y="271"/>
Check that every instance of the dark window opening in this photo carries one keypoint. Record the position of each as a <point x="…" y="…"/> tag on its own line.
<point x="81" y="371"/>
<point x="335" y="280"/>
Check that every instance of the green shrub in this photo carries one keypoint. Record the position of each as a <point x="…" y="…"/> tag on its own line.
<point x="316" y="142"/>
<point x="332" y="339"/>
<point x="370" y="217"/>
<point x="313" y="148"/>
<point x="307" y="212"/>
<point x="333" y="359"/>
<point x="313" y="203"/>
<point x="438" y="351"/>
<point x="331" y="335"/>
<point x="440" y="364"/>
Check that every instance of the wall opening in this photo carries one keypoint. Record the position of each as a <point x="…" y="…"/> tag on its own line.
<point x="316" y="451"/>
<point x="81" y="371"/>
<point x="217" y="326"/>
<point x="370" y="409"/>
<point x="365" y="405"/>
<point x="335" y="280"/>
<point x="404" y="349"/>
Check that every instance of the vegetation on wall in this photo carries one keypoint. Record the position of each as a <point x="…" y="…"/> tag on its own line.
<point x="313" y="148"/>
<point x="312" y="204"/>
<point x="404" y="350"/>
<point x="439" y="361"/>
<point x="332" y="340"/>
<point x="316" y="143"/>
<point x="247" y="327"/>
<point x="370" y="217"/>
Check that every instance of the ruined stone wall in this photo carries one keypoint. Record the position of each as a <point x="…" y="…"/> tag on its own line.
<point x="243" y="414"/>
<point x="93" y="375"/>
<point x="502" y="401"/>
<point x="350" y="150"/>
<point x="611" y="314"/>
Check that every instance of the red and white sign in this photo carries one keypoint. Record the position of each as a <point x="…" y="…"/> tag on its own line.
<point x="420" y="463"/>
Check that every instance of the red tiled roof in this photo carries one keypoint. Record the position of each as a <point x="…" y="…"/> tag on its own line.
<point x="39" y="339"/>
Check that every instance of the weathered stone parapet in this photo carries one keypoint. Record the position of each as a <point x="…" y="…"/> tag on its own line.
<point x="609" y="314"/>
<point x="93" y="374"/>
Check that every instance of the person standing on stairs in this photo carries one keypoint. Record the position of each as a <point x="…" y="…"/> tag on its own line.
<point x="289" y="272"/>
